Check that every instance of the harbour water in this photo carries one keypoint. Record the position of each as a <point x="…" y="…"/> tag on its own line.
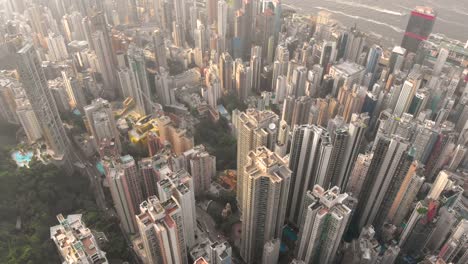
<point x="388" y="18"/>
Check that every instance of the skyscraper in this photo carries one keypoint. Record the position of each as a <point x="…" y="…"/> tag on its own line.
<point x="104" y="54"/>
<point x="323" y="224"/>
<point x="441" y="59"/>
<point x="100" y="121"/>
<point x="159" y="49"/>
<point x="264" y="209"/>
<point x="226" y="72"/>
<point x="141" y="95"/>
<point x="125" y="187"/>
<point x="161" y="229"/>
<point x="407" y="93"/>
<point x="400" y="175"/>
<point x="356" y="129"/>
<point x="179" y="185"/>
<point x="386" y="159"/>
<point x="419" y="28"/>
<point x="296" y="110"/>
<point x="252" y="132"/>
<point x="309" y="157"/>
<point x="163" y="90"/>
<point x="358" y="174"/>
<point x="406" y="195"/>
<point x="202" y="167"/>
<point x="35" y="85"/>
<point x="57" y="49"/>
<point x="28" y="120"/>
<point x="256" y="67"/>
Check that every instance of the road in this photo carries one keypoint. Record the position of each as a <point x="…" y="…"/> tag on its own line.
<point x="93" y="174"/>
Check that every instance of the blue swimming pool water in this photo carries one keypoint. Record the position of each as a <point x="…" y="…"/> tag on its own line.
<point x="100" y="168"/>
<point x="22" y="158"/>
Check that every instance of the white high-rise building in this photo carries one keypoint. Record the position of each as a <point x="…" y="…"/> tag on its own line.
<point x="161" y="229"/>
<point x="323" y="225"/>
<point x="253" y="131"/>
<point x="28" y="120"/>
<point x="75" y="242"/>
<point x="408" y="90"/>
<point x="268" y="177"/>
<point x="179" y="185"/>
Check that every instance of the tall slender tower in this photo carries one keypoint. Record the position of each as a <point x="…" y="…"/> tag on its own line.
<point x="385" y="162"/>
<point x="308" y="161"/>
<point x="226" y="72"/>
<point x="356" y="130"/>
<point x="35" y="85"/>
<point x="160" y="49"/>
<point x="264" y="211"/>
<point x="125" y="188"/>
<point x="252" y="132"/>
<point x="141" y="95"/>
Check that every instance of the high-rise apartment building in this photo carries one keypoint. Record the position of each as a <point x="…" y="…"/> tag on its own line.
<point x="125" y="187"/>
<point x="100" y="122"/>
<point x="256" y="67"/>
<point x="407" y="192"/>
<point x="75" y="242"/>
<point x="202" y="167"/>
<point x="103" y="49"/>
<point x="309" y="157"/>
<point x="161" y="229"/>
<point x="35" y="85"/>
<point x="323" y="225"/>
<point x="141" y="92"/>
<point x="404" y="167"/>
<point x="226" y="72"/>
<point x="254" y="129"/>
<point x="179" y="185"/>
<point x="57" y="49"/>
<point x="28" y="120"/>
<point x="160" y="49"/>
<point x="385" y="163"/>
<point x="296" y="110"/>
<point x="265" y="202"/>
<point x="358" y="174"/>
<point x="355" y="134"/>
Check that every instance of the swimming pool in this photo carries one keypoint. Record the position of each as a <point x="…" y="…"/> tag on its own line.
<point x="22" y="158"/>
